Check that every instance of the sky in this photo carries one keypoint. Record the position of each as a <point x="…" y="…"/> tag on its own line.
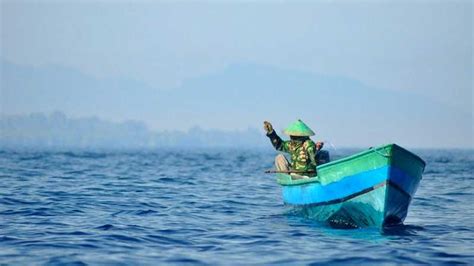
<point x="419" y="49"/>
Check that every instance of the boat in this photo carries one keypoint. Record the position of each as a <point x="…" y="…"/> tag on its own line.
<point x="373" y="188"/>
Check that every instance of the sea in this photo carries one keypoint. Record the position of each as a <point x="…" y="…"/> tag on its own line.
<point x="211" y="207"/>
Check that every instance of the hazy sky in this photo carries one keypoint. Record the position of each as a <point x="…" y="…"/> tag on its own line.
<point x="423" y="48"/>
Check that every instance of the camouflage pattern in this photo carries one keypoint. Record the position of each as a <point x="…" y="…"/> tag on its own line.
<point x="302" y="151"/>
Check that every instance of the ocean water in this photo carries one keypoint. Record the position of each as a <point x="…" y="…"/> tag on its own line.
<point x="210" y="207"/>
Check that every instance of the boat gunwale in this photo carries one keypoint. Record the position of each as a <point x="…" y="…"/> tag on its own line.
<point x="371" y="150"/>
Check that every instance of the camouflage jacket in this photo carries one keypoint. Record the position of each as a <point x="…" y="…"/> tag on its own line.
<point x="303" y="153"/>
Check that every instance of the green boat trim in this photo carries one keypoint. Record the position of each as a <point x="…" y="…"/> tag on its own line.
<point x="378" y="156"/>
<point x="285" y="180"/>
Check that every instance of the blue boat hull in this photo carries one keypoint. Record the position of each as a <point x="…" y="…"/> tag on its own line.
<point x="378" y="196"/>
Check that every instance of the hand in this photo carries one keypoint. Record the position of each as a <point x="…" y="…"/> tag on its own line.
<point x="268" y="127"/>
<point x="319" y="145"/>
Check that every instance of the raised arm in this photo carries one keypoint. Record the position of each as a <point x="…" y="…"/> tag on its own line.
<point x="276" y="141"/>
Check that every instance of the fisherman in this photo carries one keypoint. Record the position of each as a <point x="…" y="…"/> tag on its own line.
<point x="302" y="149"/>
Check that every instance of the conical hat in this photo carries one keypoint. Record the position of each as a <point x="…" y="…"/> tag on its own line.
<point x="299" y="129"/>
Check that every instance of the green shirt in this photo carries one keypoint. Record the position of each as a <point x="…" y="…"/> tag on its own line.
<point x="302" y="152"/>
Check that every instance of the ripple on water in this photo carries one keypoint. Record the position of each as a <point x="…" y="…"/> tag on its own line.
<point x="209" y="207"/>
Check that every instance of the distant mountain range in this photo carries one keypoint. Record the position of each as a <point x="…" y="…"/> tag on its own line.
<point x="343" y="110"/>
<point x="57" y="131"/>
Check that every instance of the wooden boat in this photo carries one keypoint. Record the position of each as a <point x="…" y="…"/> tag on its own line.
<point x="371" y="188"/>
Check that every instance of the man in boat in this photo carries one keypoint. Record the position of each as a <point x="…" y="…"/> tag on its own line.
<point x="302" y="149"/>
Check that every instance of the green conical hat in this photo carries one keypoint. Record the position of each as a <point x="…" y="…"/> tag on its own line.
<point x="299" y="129"/>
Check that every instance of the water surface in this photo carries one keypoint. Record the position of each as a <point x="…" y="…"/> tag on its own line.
<point x="210" y="207"/>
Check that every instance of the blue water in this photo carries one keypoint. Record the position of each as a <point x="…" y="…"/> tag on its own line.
<point x="210" y="207"/>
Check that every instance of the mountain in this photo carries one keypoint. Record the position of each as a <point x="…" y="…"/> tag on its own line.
<point x="341" y="110"/>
